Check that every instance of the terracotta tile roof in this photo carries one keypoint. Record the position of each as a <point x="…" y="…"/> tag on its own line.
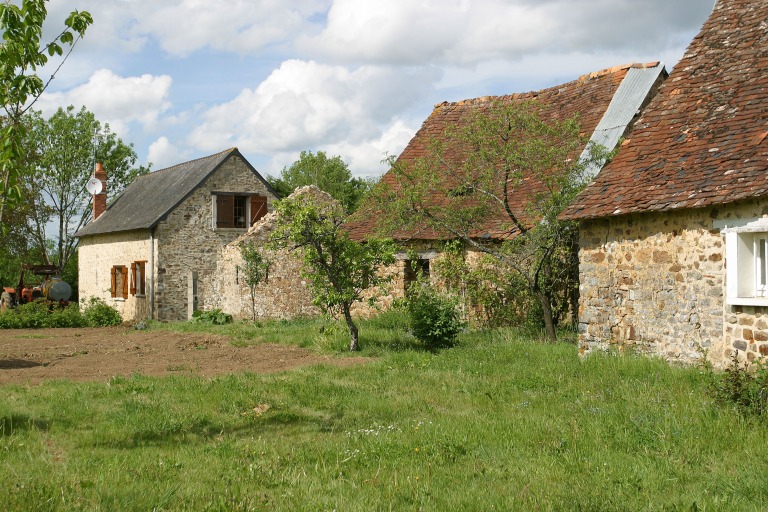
<point x="589" y="96"/>
<point x="701" y="141"/>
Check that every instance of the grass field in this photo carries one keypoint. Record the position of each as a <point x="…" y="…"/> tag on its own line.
<point x="500" y="422"/>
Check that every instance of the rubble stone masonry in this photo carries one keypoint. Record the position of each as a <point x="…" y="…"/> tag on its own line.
<point x="656" y="282"/>
<point x="186" y="242"/>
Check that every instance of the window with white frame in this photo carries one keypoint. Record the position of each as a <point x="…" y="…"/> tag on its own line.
<point x="746" y="255"/>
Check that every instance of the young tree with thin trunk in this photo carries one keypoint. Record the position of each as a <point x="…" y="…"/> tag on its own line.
<point x="22" y="53"/>
<point x="498" y="182"/>
<point x="255" y="269"/>
<point x="338" y="269"/>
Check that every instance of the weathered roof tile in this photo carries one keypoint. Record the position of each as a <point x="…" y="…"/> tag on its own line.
<point x="701" y="141"/>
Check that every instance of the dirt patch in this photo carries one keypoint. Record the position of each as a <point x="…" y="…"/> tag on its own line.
<point x="30" y="356"/>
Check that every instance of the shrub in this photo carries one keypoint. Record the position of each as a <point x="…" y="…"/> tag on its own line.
<point x="69" y="316"/>
<point x="433" y="317"/>
<point x="32" y="315"/>
<point x="490" y="296"/>
<point x="214" y="317"/>
<point x="100" y="314"/>
<point x="744" y="387"/>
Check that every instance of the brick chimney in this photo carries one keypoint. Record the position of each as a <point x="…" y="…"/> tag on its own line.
<point x="100" y="199"/>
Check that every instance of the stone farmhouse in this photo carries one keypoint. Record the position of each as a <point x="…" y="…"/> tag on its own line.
<point x="607" y="102"/>
<point x="150" y="251"/>
<point x="674" y="231"/>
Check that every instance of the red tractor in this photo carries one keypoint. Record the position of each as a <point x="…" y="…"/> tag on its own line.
<point x="52" y="288"/>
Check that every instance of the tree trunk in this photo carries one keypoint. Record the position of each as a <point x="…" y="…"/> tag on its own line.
<point x="353" y="336"/>
<point x="253" y="303"/>
<point x="549" y="321"/>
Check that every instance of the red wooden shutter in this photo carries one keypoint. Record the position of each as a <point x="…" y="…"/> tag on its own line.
<point x="125" y="281"/>
<point x="258" y="208"/>
<point x="225" y="211"/>
<point x="113" y="276"/>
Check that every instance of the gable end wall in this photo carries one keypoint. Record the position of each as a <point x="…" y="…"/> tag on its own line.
<point x="187" y="243"/>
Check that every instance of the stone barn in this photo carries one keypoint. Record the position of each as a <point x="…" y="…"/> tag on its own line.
<point x="607" y="102"/>
<point x="674" y="231"/>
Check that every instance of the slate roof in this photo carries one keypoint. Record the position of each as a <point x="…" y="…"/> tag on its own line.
<point x="701" y="141"/>
<point x="589" y="96"/>
<point x="150" y="198"/>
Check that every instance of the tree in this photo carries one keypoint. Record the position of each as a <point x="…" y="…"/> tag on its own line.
<point x="498" y="183"/>
<point x="255" y="269"/>
<point x="67" y="145"/>
<point x="21" y="54"/>
<point x="331" y="175"/>
<point x="337" y="268"/>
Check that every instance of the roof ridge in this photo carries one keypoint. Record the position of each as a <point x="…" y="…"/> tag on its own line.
<point x="620" y="67"/>
<point x="533" y="94"/>
<point x="229" y="150"/>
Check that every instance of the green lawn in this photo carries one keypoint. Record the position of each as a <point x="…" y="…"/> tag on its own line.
<point x="500" y="422"/>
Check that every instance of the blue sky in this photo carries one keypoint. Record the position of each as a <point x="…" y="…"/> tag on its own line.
<point x="181" y="79"/>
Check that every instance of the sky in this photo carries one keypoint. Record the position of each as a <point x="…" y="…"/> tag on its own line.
<point x="183" y="79"/>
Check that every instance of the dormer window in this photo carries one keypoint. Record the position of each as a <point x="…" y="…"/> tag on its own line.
<point x="234" y="211"/>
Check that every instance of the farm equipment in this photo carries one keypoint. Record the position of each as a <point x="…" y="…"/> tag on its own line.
<point x="53" y="289"/>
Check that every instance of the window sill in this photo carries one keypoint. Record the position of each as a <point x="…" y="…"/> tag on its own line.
<point x="231" y="230"/>
<point x="747" y="301"/>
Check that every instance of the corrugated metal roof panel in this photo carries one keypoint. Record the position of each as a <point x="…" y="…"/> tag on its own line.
<point x="626" y="103"/>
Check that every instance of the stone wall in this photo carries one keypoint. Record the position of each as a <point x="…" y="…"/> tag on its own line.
<point x="188" y="245"/>
<point x="98" y="254"/>
<point x="656" y="282"/>
<point x="284" y="295"/>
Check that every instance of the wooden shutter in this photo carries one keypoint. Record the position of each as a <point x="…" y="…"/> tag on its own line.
<point x="125" y="281"/>
<point x="133" y="278"/>
<point x="258" y="208"/>
<point x="113" y="276"/>
<point x="141" y="285"/>
<point x="225" y="211"/>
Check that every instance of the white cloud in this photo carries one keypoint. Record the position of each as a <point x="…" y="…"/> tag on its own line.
<point x="353" y="77"/>
<point x="471" y="31"/>
<point x="162" y="153"/>
<point x="116" y="100"/>
<point x="365" y="159"/>
<point x="303" y="105"/>
<point x="181" y="27"/>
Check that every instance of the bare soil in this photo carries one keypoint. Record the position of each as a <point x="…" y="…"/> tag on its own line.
<point x="31" y="356"/>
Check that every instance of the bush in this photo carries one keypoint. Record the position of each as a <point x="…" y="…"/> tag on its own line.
<point x="41" y="314"/>
<point x="214" y="317"/>
<point x="433" y="317"/>
<point x="69" y="316"/>
<point x="100" y="314"/>
<point x="490" y="295"/>
<point x="744" y="387"/>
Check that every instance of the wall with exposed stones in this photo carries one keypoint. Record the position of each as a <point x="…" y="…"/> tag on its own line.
<point x="98" y="254"/>
<point x="286" y="294"/>
<point x="187" y="243"/>
<point x="656" y="282"/>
